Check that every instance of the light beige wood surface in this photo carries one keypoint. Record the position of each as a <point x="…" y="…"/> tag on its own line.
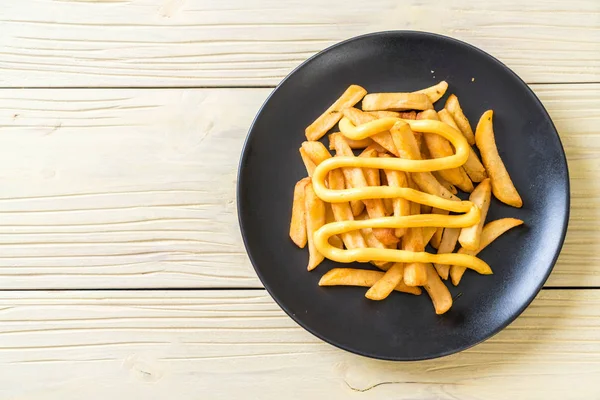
<point x="120" y="188"/>
<point x="257" y="42"/>
<point x="240" y="345"/>
<point x="103" y="186"/>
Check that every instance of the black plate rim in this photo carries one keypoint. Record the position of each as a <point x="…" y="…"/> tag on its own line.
<point x="513" y="316"/>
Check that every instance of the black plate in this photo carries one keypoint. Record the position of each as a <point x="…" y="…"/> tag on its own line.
<point x="405" y="327"/>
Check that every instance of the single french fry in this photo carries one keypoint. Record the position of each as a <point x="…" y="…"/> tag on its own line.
<point x="358" y="117"/>
<point x="334" y="240"/>
<point x="357" y="205"/>
<point x="380" y="149"/>
<point x="453" y="107"/>
<point x="373" y="242"/>
<point x="407" y="146"/>
<point x="371" y="239"/>
<point x="435" y="92"/>
<point x="384" y="267"/>
<point x="470" y="237"/>
<point x="439" y="147"/>
<point x="419" y="140"/>
<point x="447" y="245"/>
<point x="396" y="101"/>
<point x="415" y="209"/>
<point x="371" y="174"/>
<point x="387" y="203"/>
<point x="316" y="151"/>
<point x="298" y="223"/>
<point x="343" y="212"/>
<point x="439" y="293"/>
<point x="384" y="114"/>
<point x="333" y="114"/>
<point x="491" y="231"/>
<point x="502" y="185"/>
<point x="360" y="277"/>
<point x="384" y="286"/>
<point x="401" y="206"/>
<point x="356" y="177"/>
<point x="308" y="163"/>
<point x="414" y="273"/>
<point x="428" y="184"/>
<point x="315" y="218"/>
<point x="472" y="166"/>
<point x="389" y="207"/>
<point x="393" y="114"/>
<point x="437" y="237"/>
<point x="405" y="142"/>
<point x="428" y="233"/>
<point x="450" y="187"/>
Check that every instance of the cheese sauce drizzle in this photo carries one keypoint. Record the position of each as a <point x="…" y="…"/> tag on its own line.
<point x="471" y="212"/>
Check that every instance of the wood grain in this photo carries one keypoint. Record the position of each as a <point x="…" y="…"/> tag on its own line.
<point x="239" y="344"/>
<point x="237" y="42"/>
<point x="116" y="188"/>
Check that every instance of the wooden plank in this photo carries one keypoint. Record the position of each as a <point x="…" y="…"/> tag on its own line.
<point x="122" y="188"/>
<point x="239" y="344"/>
<point x="237" y="42"/>
<point x="136" y="188"/>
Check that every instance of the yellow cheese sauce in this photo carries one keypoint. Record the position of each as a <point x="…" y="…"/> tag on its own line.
<point x="469" y="218"/>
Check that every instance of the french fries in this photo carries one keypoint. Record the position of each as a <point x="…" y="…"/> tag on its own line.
<point x="329" y="217"/>
<point x="470" y="237"/>
<point x="414" y="273"/>
<point x="472" y="166"/>
<point x="372" y="242"/>
<point x="316" y="151"/>
<point x="332" y="115"/>
<point x="393" y="114"/>
<point x="384" y="286"/>
<point x="308" y="163"/>
<point x="447" y="185"/>
<point x="384" y="114"/>
<point x="502" y="185"/>
<point x="371" y="174"/>
<point x="396" y="101"/>
<point x="453" y="107"/>
<point x="343" y="212"/>
<point x="437" y="236"/>
<point x="398" y="195"/>
<point x="407" y="146"/>
<point x="357" y="179"/>
<point x="435" y="92"/>
<point x="354" y="144"/>
<point x="360" y="277"/>
<point x="359" y="117"/>
<point x="438" y="148"/>
<point x="447" y="245"/>
<point x="439" y="293"/>
<point x="357" y="205"/>
<point x="401" y="206"/>
<point x="315" y="218"/>
<point x="298" y="223"/>
<point x="490" y="232"/>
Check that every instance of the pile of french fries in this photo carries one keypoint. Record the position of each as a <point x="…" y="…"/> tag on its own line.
<point x="480" y="178"/>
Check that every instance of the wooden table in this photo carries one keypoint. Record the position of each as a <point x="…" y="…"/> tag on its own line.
<point x="122" y="271"/>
